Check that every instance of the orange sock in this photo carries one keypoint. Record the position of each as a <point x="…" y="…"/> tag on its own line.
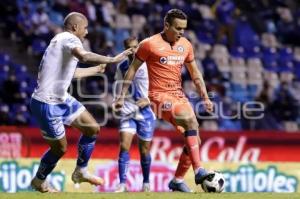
<point x="191" y="141"/>
<point x="183" y="164"/>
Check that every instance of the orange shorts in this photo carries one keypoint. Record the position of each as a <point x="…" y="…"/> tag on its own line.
<point x="169" y="107"/>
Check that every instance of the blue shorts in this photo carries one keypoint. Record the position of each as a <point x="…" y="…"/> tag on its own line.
<point x="52" y="117"/>
<point x="142" y="124"/>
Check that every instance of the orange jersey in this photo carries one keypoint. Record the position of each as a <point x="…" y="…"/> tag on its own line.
<point x="164" y="62"/>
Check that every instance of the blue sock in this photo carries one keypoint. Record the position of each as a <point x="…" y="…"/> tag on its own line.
<point x="86" y="146"/>
<point x="48" y="163"/>
<point x="123" y="165"/>
<point x="201" y="172"/>
<point x="146" y="163"/>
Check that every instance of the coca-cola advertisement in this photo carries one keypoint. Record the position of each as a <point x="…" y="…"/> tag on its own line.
<point x="238" y="147"/>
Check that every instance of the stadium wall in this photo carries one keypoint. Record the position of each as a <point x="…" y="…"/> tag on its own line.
<point x="250" y="161"/>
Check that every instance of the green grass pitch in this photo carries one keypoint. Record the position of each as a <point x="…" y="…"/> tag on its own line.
<point x="174" y="195"/>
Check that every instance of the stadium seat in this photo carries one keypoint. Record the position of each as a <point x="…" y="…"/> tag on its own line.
<point x="38" y="46"/>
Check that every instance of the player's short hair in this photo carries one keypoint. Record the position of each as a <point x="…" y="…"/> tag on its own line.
<point x="173" y="14"/>
<point x="128" y="40"/>
<point x="73" y="17"/>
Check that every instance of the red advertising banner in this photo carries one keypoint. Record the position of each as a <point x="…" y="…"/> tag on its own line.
<point x="244" y="146"/>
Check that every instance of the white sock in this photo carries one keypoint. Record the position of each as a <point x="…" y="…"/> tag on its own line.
<point x="178" y="180"/>
<point x="83" y="170"/>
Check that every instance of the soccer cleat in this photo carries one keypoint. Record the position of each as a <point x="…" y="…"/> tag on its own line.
<point x="179" y="186"/>
<point x="202" y="175"/>
<point x="79" y="177"/>
<point x="42" y="186"/>
<point x="146" y="187"/>
<point x="121" y="188"/>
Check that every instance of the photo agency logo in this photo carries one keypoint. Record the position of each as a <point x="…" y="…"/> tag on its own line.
<point x="98" y="95"/>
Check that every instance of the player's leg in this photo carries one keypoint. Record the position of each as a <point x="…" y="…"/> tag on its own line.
<point x="127" y="131"/>
<point x="145" y="129"/>
<point x="144" y="148"/>
<point x="161" y="104"/>
<point x="49" y="119"/>
<point x="48" y="162"/>
<point x="185" y="117"/>
<point x="89" y="129"/>
<point x="177" y="183"/>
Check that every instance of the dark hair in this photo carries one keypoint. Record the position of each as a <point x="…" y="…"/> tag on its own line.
<point x="128" y="40"/>
<point x="174" y="13"/>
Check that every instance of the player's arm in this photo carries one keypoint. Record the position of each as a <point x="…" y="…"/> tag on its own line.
<point x="90" y="71"/>
<point x="199" y="83"/>
<point x="143" y="102"/>
<point x="197" y="78"/>
<point x="93" y="58"/>
<point x="134" y="66"/>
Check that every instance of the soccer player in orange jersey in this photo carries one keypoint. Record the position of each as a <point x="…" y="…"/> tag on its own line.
<point x="165" y="54"/>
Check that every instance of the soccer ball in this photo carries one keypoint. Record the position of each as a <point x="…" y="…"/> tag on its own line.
<point x="214" y="182"/>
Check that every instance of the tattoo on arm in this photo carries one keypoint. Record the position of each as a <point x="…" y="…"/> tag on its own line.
<point x="200" y="85"/>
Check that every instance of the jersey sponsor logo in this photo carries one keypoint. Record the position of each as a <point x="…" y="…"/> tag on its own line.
<point x="172" y="60"/>
<point x="163" y="60"/>
<point x="180" y="49"/>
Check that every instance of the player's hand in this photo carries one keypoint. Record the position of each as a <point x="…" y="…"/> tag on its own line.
<point x="143" y="102"/>
<point x="101" y="68"/>
<point x="123" y="55"/>
<point x="118" y="104"/>
<point x="209" y="106"/>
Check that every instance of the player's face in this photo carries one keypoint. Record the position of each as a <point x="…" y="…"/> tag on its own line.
<point x="134" y="45"/>
<point x="82" y="29"/>
<point x="176" y="30"/>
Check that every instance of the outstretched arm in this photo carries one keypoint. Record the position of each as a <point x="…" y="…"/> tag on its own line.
<point x="90" y="71"/>
<point x="93" y="58"/>
<point x="199" y="83"/>
<point x="134" y="66"/>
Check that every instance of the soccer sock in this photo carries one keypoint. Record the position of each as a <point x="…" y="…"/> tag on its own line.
<point x="123" y="165"/>
<point x="86" y="146"/>
<point x="146" y="163"/>
<point x="48" y="163"/>
<point x="192" y="144"/>
<point x="183" y="164"/>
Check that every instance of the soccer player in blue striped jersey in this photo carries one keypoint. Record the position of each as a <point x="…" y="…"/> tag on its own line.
<point x="137" y="117"/>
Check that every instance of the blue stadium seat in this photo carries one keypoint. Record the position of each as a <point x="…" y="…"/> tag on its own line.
<point x="38" y="46"/>
<point x="238" y="92"/>
<point x="271" y="66"/>
<point x="245" y="35"/>
<point x="4" y="59"/>
<point x="269" y="55"/>
<point x="237" y="51"/>
<point x="297" y="70"/>
<point x="252" y="91"/>
<point x="253" y="52"/>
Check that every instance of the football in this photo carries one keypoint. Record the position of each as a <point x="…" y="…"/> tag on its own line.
<point x="214" y="182"/>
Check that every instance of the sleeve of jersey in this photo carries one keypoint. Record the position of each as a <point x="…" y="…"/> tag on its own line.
<point x="143" y="51"/>
<point x="190" y="56"/>
<point x="72" y="42"/>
